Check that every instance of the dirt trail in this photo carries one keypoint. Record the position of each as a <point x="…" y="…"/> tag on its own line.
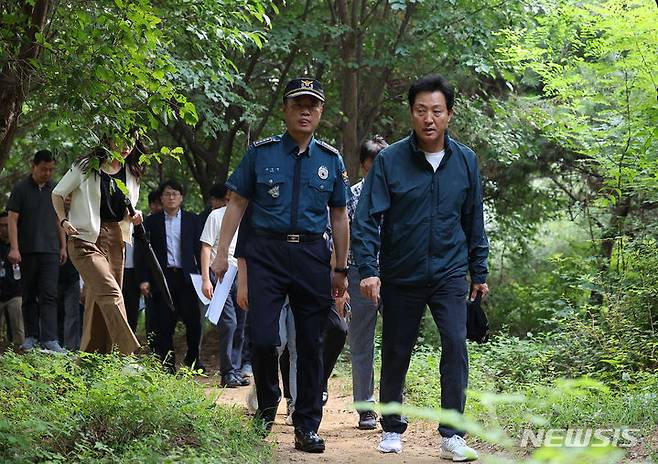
<point x="345" y="443"/>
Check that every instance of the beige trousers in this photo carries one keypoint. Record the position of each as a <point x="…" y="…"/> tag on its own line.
<point x="105" y="325"/>
<point x="14" y="319"/>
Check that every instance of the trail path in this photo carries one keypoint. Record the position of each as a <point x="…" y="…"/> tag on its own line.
<point x="345" y="443"/>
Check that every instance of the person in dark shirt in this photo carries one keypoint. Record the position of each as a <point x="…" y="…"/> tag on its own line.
<point x="38" y="247"/>
<point x="10" y="289"/>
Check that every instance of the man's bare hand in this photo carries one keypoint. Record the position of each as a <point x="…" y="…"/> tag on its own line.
<point x="220" y="265"/>
<point x="340" y="303"/>
<point x="338" y="284"/>
<point x="243" y="293"/>
<point x="479" y="288"/>
<point x="14" y="256"/>
<point x="370" y="287"/>
<point x="63" y="255"/>
<point x="206" y="288"/>
<point x="243" y="287"/>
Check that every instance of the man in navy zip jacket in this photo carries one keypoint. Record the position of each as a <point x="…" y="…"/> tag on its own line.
<point x="427" y="189"/>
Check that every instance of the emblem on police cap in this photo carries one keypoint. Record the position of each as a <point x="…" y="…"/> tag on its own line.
<point x="307" y="84"/>
<point x="323" y="172"/>
<point x="274" y="191"/>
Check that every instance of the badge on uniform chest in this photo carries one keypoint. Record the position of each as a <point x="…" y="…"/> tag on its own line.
<point x="274" y="191"/>
<point x="323" y="172"/>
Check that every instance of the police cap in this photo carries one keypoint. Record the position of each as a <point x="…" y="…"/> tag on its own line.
<point x="304" y="86"/>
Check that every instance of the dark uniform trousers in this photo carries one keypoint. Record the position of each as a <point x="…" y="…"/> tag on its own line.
<point x="333" y="342"/>
<point x="164" y="321"/>
<point x="302" y="271"/>
<point x="403" y="308"/>
<point x="40" y="272"/>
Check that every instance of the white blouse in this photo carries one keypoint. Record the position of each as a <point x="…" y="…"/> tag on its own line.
<point x="85" y="213"/>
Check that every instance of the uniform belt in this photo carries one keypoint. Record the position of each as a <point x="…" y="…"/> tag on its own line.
<point x="290" y="238"/>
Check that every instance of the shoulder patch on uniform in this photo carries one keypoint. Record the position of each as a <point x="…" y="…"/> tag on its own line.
<point x="258" y="143"/>
<point x="328" y="147"/>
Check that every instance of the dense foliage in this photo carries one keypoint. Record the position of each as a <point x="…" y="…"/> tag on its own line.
<point x="557" y="98"/>
<point x="111" y="409"/>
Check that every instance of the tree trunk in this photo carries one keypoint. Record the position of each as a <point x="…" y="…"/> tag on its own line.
<point x="351" y="43"/>
<point x="17" y="72"/>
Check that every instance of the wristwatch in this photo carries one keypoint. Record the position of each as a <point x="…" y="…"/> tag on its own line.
<point x="342" y="270"/>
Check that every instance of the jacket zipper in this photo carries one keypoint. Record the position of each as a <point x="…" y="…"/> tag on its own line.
<point x="431" y="228"/>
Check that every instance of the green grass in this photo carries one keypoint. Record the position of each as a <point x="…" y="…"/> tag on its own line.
<point x="510" y="387"/>
<point x="516" y="385"/>
<point x="101" y="409"/>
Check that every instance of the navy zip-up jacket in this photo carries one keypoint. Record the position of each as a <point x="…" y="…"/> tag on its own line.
<point x="433" y="222"/>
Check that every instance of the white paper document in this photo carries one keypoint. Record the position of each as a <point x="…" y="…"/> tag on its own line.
<point x="222" y="290"/>
<point x="197" y="281"/>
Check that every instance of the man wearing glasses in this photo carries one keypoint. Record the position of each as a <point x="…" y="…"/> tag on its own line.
<point x="174" y="235"/>
<point x="290" y="180"/>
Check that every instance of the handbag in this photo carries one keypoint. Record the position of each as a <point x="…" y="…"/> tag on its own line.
<point x="477" y="324"/>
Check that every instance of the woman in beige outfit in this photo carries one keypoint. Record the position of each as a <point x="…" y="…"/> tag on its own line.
<point x="97" y="227"/>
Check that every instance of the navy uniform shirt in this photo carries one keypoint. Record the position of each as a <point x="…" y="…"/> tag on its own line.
<point x="290" y="193"/>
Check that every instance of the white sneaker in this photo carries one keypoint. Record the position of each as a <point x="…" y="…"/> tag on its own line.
<point x="455" y="448"/>
<point x="391" y="442"/>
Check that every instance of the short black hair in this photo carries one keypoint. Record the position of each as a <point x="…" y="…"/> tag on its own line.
<point x="172" y="184"/>
<point x="4" y="214"/>
<point x="370" y="148"/>
<point x="218" y="191"/>
<point x="43" y="156"/>
<point x="432" y="83"/>
<point x="154" y="196"/>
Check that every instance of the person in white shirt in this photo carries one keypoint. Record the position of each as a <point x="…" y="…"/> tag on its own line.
<point x="232" y="321"/>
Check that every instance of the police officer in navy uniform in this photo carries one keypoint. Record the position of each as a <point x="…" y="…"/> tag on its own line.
<point x="290" y="180"/>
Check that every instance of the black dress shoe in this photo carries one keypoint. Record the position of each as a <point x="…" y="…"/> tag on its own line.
<point x="243" y="380"/>
<point x="308" y="441"/>
<point x="230" y="381"/>
<point x="264" y="421"/>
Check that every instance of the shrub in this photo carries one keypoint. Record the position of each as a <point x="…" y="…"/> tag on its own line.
<point x="112" y="409"/>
